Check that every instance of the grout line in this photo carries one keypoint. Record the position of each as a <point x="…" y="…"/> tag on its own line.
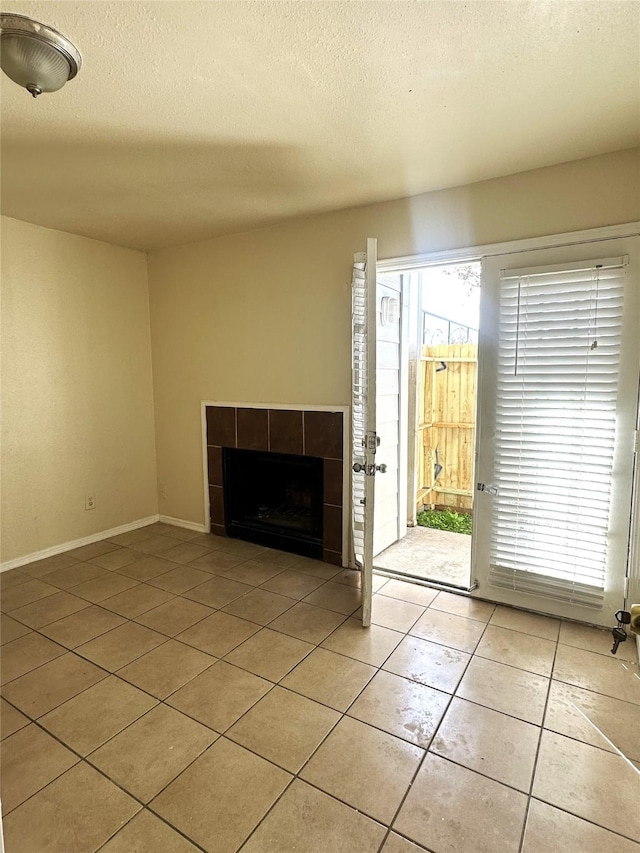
<point x="534" y="769"/>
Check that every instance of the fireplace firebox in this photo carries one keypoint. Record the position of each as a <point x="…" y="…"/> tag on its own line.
<point x="274" y="499"/>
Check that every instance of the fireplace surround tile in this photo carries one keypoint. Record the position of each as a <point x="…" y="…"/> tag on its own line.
<point x="285" y="431"/>
<point x="216" y="500"/>
<point x="253" y="429"/>
<point x="323" y="434"/>
<point x="214" y="463"/>
<point x="221" y="426"/>
<point x="332" y="481"/>
<point x="332" y="528"/>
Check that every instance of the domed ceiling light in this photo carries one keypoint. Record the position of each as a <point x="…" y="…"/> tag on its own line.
<point x="35" y="55"/>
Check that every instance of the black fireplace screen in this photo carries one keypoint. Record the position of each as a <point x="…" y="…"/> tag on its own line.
<point x="274" y="499"/>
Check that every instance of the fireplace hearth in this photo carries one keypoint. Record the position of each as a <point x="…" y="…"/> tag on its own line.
<point x="274" y="499"/>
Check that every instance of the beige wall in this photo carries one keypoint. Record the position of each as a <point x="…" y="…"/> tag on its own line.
<point x="265" y="316"/>
<point x="77" y="400"/>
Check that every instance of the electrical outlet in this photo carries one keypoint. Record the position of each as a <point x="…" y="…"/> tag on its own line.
<point x="89" y="502"/>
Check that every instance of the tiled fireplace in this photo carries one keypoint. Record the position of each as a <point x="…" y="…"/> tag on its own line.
<point x="276" y="478"/>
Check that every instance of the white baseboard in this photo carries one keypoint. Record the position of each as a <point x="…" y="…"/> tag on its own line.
<point x="181" y="522"/>
<point x="87" y="540"/>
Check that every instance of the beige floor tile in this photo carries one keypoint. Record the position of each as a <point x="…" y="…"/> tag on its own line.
<point x="260" y="606"/>
<point x="30" y="760"/>
<point x="178" y="533"/>
<point x="185" y="552"/>
<point x="273" y="557"/>
<point x="26" y="653"/>
<point x="175" y="616"/>
<point x="11" y="630"/>
<point x="292" y="584"/>
<point x="218" y="591"/>
<point x="238" y="548"/>
<point x="463" y="605"/>
<point x="95" y="549"/>
<point x="151" y="752"/>
<point x="222" y="796"/>
<point x="179" y="580"/>
<point x="82" y="626"/>
<point x="351" y="577"/>
<point x="252" y="572"/>
<point x="489" y="742"/>
<point x="371" y="645"/>
<point x="167" y="668"/>
<point x="39" y="568"/>
<point x="457" y="632"/>
<point x="217" y="562"/>
<point x="394" y="613"/>
<point x="428" y="663"/>
<point x="594" y="718"/>
<point x="89" y="719"/>
<point x="317" y="569"/>
<point x="505" y="688"/>
<point x="550" y="829"/>
<point x="590" y="783"/>
<point x="330" y="678"/>
<point x="526" y="623"/>
<point x="517" y="649"/>
<point x="308" y="623"/>
<point x="612" y="676"/>
<point x="209" y="541"/>
<point x="13" y="577"/>
<point x="75" y="574"/>
<point x="261" y="729"/>
<point x="218" y="634"/>
<point x="25" y="593"/>
<point x="146" y="568"/>
<point x="120" y="646"/>
<point x="146" y="833"/>
<point x="11" y="720"/>
<point x="309" y="821"/>
<point x="401" y="707"/>
<point x="49" y="609"/>
<point x="450" y="808"/>
<point x="137" y="600"/>
<point x="115" y="560"/>
<point x="127" y="539"/>
<point x="153" y="544"/>
<point x="365" y="768"/>
<point x="76" y="813"/>
<point x="50" y="685"/>
<point x="269" y="654"/>
<point x="597" y="640"/>
<point x="413" y="592"/>
<point x="109" y="584"/>
<point x="220" y="695"/>
<point x="396" y="844"/>
<point x="336" y="596"/>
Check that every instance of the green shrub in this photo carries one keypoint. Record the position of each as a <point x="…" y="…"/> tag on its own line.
<point x="445" y="519"/>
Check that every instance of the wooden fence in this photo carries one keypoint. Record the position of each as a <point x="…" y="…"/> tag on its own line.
<point x="446" y="434"/>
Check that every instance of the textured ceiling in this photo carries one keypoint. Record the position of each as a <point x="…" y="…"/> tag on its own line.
<point x="191" y="119"/>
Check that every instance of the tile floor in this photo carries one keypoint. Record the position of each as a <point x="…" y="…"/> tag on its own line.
<point x="167" y="692"/>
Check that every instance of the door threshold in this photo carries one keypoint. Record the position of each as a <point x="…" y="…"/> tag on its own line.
<point x="443" y="586"/>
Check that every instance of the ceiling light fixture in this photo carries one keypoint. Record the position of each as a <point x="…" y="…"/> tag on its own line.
<point x="35" y="56"/>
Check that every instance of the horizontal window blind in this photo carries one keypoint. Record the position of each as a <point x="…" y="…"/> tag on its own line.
<point x="557" y="379"/>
